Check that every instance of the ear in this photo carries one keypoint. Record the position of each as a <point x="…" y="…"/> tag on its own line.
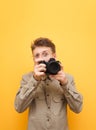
<point x="54" y="55"/>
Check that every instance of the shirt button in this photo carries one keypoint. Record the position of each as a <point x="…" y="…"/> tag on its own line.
<point x="48" y="107"/>
<point x="47" y="119"/>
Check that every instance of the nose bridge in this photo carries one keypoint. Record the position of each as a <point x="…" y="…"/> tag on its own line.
<point x="40" y="57"/>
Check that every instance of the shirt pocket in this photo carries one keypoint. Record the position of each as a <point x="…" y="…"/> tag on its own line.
<point x="58" y="99"/>
<point x="57" y="104"/>
<point x="40" y="93"/>
<point x="40" y="103"/>
<point x="40" y="96"/>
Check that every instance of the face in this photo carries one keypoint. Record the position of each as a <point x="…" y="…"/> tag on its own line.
<point x="42" y="53"/>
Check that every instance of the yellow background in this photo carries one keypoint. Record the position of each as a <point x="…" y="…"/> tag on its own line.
<point x="72" y="27"/>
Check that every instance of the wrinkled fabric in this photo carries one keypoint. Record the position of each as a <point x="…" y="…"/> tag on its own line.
<point x="47" y="101"/>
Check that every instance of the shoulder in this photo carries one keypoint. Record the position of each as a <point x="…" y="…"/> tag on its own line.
<point x="27" y="76"/>
<point x="69" y="76"/>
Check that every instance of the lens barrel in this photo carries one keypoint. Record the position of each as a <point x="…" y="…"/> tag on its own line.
<point x="52" y="66"/>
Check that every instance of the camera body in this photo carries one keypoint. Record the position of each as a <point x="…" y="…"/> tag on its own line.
<point x="52" y="66"/>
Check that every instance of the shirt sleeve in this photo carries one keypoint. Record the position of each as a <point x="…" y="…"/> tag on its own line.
<point x="73" y="97"/>
<point x="26" y="93"/>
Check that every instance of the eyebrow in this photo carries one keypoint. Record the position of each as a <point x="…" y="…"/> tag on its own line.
<point x="45" y="51"/>
<point x="42" y="52"/>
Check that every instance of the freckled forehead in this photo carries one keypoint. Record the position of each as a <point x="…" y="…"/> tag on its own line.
<point x="40" y="50"/>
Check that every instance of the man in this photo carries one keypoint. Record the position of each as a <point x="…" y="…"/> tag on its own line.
<point x="45" y="94"/>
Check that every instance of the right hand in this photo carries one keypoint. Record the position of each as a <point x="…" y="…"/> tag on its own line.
<point x="39" y="71"/>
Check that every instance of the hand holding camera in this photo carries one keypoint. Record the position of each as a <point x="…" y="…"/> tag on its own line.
<point x="52" y="67"/>
<point x="39" y="71"/>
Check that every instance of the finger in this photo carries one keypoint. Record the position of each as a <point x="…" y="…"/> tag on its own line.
<point x="41" y="65"/>
<point x="41" y="68"/>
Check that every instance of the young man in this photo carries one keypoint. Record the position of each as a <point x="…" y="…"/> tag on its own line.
<point x="46" y="94"/>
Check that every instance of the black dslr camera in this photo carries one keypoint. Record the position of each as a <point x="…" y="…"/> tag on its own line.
<point x="52" y="66"/>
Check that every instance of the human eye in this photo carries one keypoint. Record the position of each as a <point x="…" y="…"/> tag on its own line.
<point x="36" y="56"/>
<point x="45" y="54"/>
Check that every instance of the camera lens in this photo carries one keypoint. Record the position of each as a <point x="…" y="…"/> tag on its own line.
<point x="53" y="67"/>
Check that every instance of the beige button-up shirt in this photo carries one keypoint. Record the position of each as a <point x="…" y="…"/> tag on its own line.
<point x="47" y="102"/>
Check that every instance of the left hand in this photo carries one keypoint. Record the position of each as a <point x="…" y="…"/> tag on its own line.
<point x="60" y="76"/>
